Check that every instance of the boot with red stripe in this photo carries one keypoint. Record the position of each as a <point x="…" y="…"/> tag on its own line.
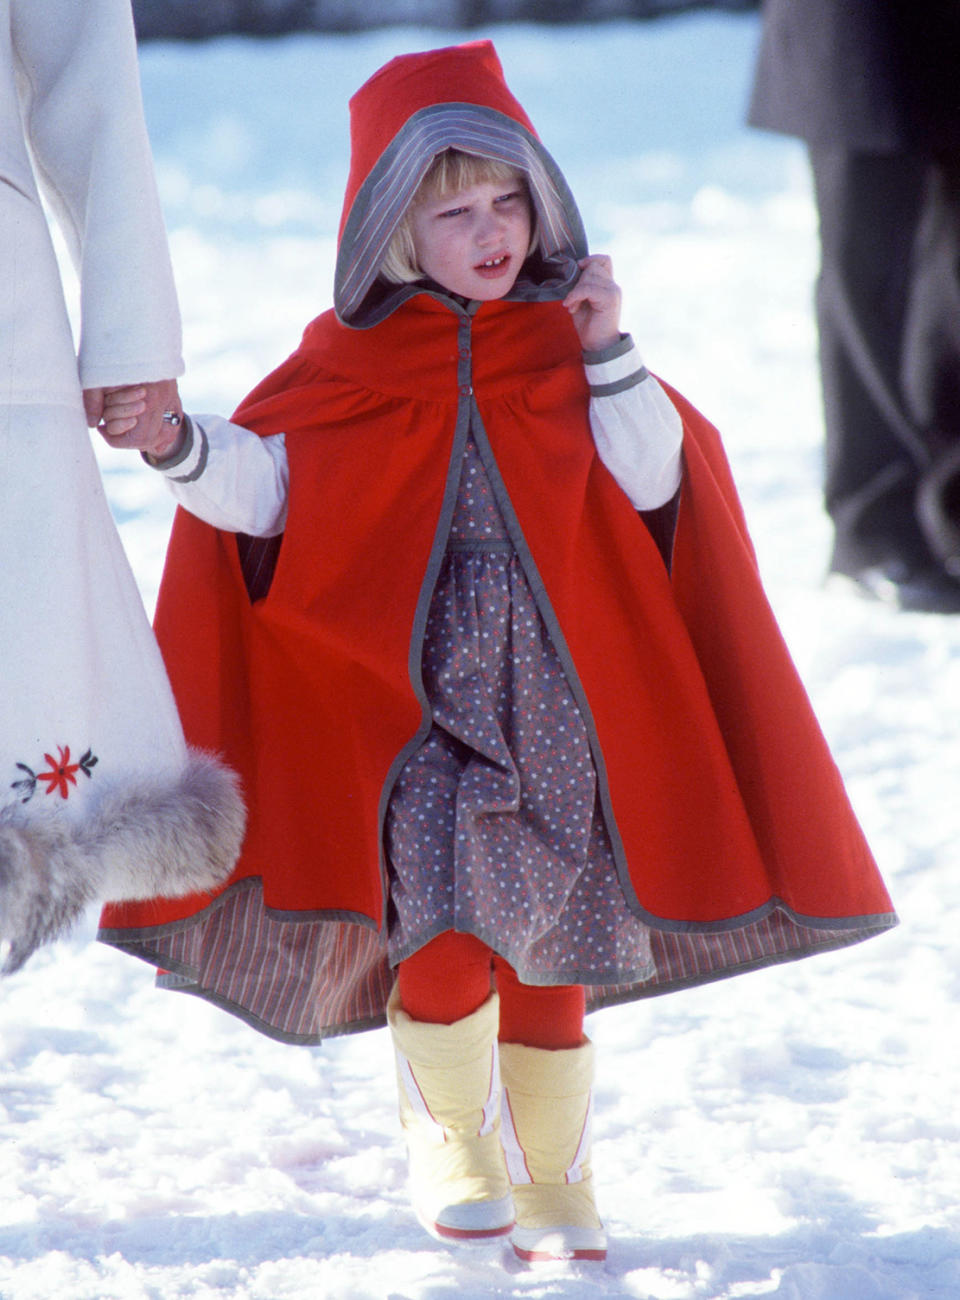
<point x="449" y="1085"/>
<point x="546" y="1138"/>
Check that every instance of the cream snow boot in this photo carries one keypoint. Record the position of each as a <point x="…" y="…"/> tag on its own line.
<point x="546" y="1138"/>
<point x="449" y="1085"/>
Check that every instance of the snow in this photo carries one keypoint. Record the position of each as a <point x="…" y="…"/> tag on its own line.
<point x="791" y="1133"/>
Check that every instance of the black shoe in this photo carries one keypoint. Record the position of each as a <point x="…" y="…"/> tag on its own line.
<point x="927" y="590"/>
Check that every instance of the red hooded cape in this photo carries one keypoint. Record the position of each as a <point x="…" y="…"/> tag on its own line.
<point x="721" y="798"/>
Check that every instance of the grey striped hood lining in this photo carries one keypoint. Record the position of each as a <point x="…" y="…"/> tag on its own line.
<point x="361" y="300"/>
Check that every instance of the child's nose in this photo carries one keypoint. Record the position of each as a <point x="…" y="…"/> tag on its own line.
<point x="489" y="226"/>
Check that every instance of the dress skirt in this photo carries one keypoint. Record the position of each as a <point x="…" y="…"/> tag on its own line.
<point x="100" y="796"/>
<point x="86" y="702"/>
<point x="494" y="827"/>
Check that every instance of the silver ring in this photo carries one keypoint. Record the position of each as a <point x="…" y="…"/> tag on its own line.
<point x="171" y="417"/>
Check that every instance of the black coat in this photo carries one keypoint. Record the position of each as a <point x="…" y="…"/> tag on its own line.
<point x="873" y="75"/>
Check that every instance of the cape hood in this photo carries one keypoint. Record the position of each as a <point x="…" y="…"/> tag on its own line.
<point x="415" y="107"/>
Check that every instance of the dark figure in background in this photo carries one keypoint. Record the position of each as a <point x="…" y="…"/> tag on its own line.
<point x="873" y="87"/>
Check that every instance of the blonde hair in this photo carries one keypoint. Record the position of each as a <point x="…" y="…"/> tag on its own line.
<point x="451" y="171"/>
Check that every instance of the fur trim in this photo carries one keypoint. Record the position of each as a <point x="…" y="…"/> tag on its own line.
<point x="140" y="841"/>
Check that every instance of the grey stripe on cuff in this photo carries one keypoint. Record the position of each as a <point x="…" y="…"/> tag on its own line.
<point x="615" y="350"/>
<point x="178" y="457"/>
<point x="620" y="385"/>
<point x="201" y="464"/>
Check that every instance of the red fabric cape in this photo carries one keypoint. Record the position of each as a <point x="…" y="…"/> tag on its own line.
<point x="721" y="796"/>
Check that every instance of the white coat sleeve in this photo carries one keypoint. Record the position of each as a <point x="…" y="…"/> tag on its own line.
<point x="636" y="428"/>
<point x="83" y="118"/>
<point x="229" y="476"/>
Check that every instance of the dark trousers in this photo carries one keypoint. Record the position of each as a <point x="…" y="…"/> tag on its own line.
<point x="888" y="314"/>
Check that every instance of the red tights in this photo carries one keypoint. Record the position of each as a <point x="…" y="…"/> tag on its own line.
<point x="450" y="977"/>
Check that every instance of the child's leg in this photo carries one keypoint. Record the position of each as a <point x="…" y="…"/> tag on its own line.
<point x="446" y="979"/>
<point x="449" y="977"/>
<point x="547" y="1070"/>
<point x="548" y="1016"/>
<point x="444" y="1018"/>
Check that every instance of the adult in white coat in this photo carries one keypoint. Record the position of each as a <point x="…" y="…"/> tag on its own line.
<point x="99" y="796"/>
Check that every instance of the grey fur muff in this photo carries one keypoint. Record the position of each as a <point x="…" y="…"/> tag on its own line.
<point x="141" y="841"/>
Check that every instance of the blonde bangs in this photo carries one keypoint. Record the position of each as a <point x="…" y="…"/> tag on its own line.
<point x="453" y="170"/>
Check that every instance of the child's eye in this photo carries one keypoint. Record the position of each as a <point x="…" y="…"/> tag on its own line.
<point x="452" y="212"/>
<point x="507" y="198"/>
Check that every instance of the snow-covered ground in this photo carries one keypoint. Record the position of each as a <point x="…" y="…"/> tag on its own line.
<point x="793" y="1132"/>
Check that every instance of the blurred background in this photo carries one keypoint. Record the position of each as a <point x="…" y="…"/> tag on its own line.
<point x="185" y="19"/>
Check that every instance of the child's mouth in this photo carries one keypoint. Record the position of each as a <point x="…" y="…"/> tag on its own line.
<point x="492" y="267"/>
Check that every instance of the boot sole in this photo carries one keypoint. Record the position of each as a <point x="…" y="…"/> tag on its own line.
<point x="465" y="1235"/>
<point x="559" y="1256"/>
<point x="545" y="1245"/>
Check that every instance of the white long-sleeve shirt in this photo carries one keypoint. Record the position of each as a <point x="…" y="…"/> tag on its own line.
<point x="237" y="481"/>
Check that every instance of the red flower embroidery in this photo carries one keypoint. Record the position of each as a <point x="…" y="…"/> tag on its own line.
<point x="60" y="772"/>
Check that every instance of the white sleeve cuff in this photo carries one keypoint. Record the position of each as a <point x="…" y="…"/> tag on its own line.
<point x="615" y="368"/>
<point x="230" y="477"/>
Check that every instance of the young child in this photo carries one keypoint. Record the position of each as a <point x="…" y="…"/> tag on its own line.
<point x="513" y="715"/>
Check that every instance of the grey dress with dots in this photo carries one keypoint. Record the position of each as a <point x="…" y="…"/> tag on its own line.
<point x="493" y="827"/>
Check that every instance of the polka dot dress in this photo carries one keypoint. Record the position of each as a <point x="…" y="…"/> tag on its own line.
<point x="493" y="827"/>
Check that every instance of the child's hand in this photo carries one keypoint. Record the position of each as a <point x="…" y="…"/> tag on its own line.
<point x="594" y="304"/>
<point x="133" y="416"/>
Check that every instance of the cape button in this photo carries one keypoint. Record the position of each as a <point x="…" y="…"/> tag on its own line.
<point x="464" y="353"/>
<point x="465" y="390"/>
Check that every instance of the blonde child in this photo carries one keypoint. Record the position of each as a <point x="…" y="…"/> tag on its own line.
<point x="473" y="611"/>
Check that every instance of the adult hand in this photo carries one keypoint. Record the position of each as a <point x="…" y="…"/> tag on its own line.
<point x="594" y="303"/>
<point x="132" y="416"/>
<point x="93" y="405"/>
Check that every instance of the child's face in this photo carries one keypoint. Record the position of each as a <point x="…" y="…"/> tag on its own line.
<point x="473" y="242"/>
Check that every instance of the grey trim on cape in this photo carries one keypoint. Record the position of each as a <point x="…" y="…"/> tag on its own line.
<point x="470" y="421"/>
<point x="345" y="946"/>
